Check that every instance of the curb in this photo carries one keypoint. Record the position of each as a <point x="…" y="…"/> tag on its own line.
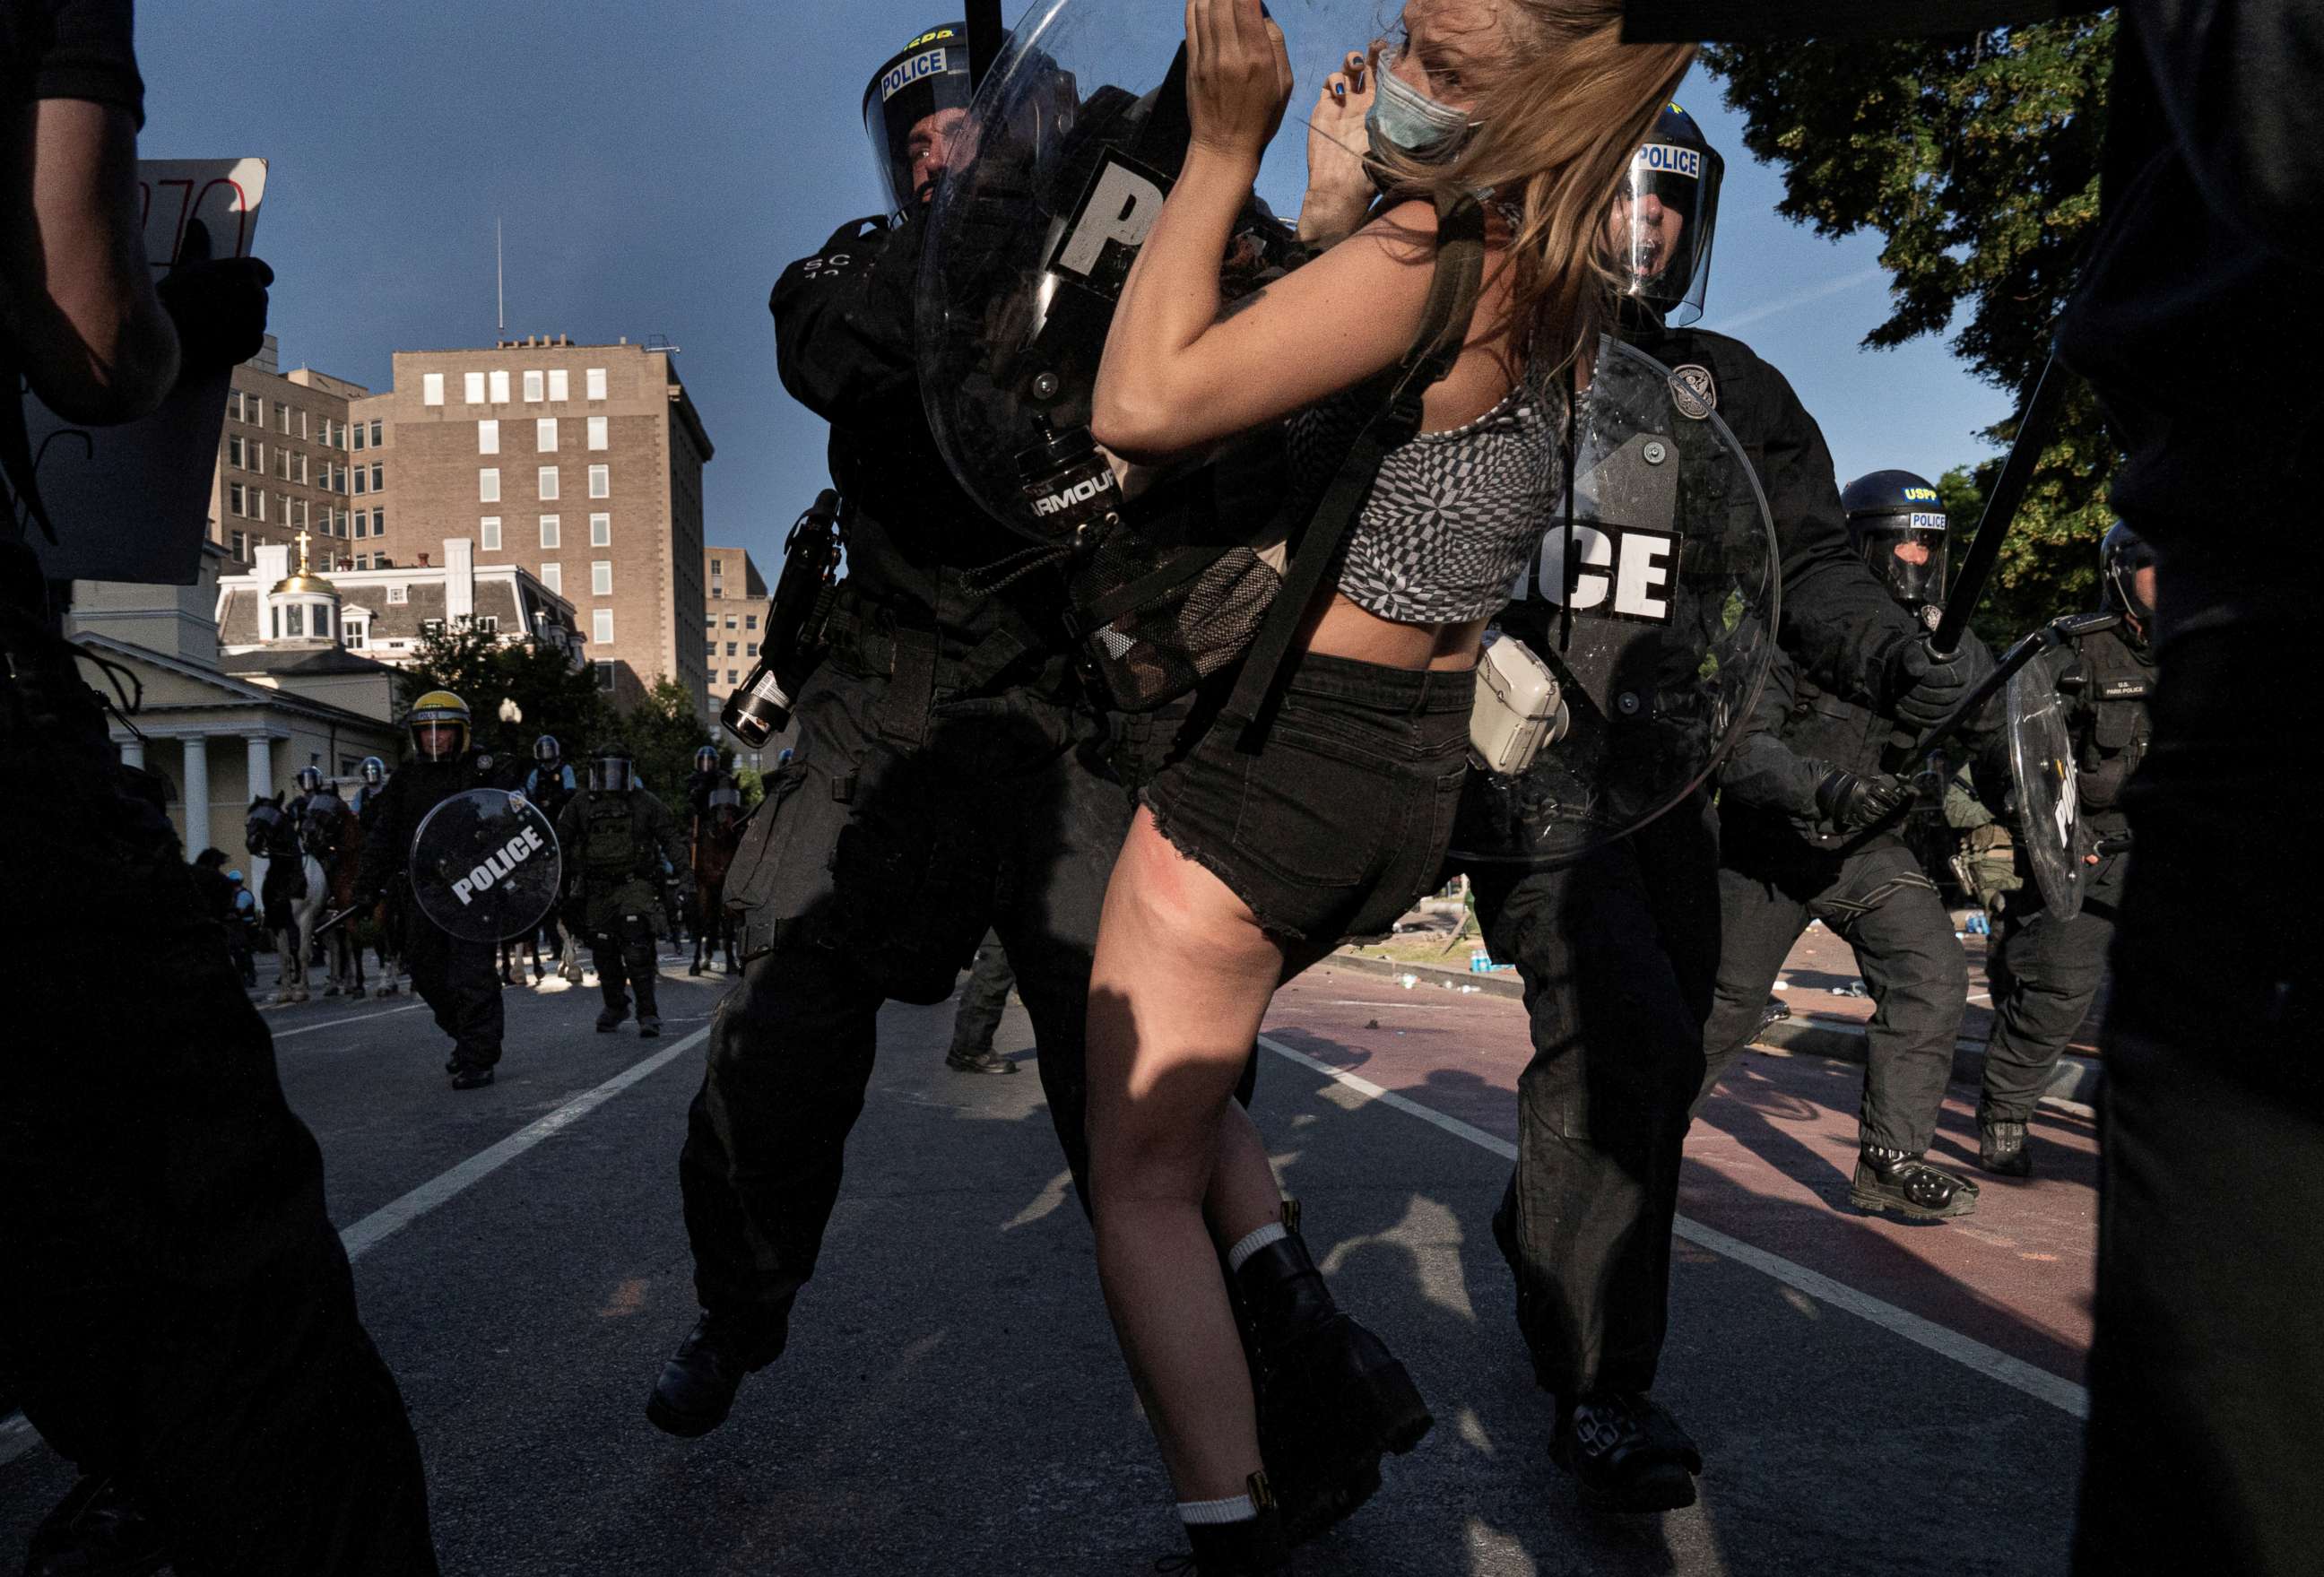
<point x="2073" y="1088"/>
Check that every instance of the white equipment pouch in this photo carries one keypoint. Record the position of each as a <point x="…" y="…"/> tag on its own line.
<point x="1518" y="708"/>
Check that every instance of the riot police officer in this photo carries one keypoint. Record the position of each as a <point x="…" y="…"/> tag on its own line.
<point x="550" y="783"/>
<point x="2045" y="971"/>
<point x="709" y="775"/>
<point x="946" y="778"/>
<point x="1808" y="828"/>
<point x="370" y="781"/>
<point x="454" y="975"/>
<point x="616" y="836"/>
<point x="1619" y="950"/>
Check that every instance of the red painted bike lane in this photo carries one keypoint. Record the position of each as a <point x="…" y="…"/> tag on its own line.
<point x="1768" y="1162"/>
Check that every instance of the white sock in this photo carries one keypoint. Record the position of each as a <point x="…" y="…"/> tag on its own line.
<point x="1272" y="1232"/>
<point x="1234" y="1508"/>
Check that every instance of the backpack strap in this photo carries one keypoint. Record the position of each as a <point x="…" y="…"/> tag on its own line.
<point x="1443" y="330"/>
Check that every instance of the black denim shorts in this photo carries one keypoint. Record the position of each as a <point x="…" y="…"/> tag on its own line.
<point x="1338" y="824"/>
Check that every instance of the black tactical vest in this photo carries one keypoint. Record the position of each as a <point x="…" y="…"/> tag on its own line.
<point x="2111" y="730"/>
<point x="610" y="846"/>
<point x="1827" y="727"/>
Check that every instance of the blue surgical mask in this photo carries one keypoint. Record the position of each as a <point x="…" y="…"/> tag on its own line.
<point x="1406" y="121"/>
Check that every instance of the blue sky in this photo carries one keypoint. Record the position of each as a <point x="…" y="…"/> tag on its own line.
<point x="657" y="165"/>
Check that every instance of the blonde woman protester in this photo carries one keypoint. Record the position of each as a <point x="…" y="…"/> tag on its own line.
<point x="1241" y="870"/>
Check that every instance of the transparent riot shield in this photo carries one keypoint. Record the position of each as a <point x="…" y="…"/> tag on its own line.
<point x="2041" y="763"/>
<point x="1079" y="131"/>
<point x="1658" y="625"/>
<point x="486" y="865"/>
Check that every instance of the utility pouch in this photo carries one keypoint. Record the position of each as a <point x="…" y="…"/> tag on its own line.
<point x="1519" y="709"/>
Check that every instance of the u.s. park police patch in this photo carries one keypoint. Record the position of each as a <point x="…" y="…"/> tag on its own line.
<point x="1695" y="390"/>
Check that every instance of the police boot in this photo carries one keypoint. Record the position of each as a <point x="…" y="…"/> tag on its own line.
<point x="698" y="1385"/>
<point x="971" y="1059"/>
<point x="1888" y="1179"/>
<point x="1255" y="1547"/>
<point x="1626" y="1454"/>
<point x="649" y="1014"/>
<point x="96" y="1531"/>
<point x="2001" y="1148"/>
<point x="1330" y="1395"/>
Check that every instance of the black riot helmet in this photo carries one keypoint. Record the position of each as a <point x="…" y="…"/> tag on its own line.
<point x="1663" y="214"/>
<point x="1898" y="528"/>
<point x="373" y="771"/>
<point x="706" y="760"/>
<point x="2122" y="554"/>
<point x="546" y="751"/>
<point x="923" y="89"/>
<point x="311" y="780"/>
<point x="609" y="770"/>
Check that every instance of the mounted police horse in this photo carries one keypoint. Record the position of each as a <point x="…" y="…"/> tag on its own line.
<point x="716" y="833"/>
<point x="332" y="833"/>
<point x="292" y="897"/>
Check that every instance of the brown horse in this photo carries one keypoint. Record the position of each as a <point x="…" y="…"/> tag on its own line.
<point x="716" y="837"/>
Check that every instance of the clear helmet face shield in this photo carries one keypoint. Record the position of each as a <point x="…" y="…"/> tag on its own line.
<point x="1907" y="553"/>
<point x="1660" y="225"/>
<point x="916" y="107"/>
<point x="610" y="775"/>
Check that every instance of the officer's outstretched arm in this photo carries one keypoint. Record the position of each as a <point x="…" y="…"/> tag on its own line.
<point x="844" y="325"/>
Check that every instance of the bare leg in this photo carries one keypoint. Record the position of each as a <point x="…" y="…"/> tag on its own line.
<point x="1182" y="978"/>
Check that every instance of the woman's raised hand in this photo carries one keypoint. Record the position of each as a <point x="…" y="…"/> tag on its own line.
<point x="1338" y="186"/>
<point x="1238" y="77"/>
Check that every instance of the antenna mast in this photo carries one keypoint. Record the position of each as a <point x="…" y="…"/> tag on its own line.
<point x="500" y="275"/>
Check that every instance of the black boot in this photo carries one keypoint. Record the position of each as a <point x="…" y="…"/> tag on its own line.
<point x="2001" y="1148"/>
<point x="96" y="1532"/>
<point x="1888" y="1179"/>
<point x="649" y="1010"/>
<point x="1628" y="1454"/>
<point x="970" y="1059"/>
<point x="471" y="1075"/>
<point x="698" y="1385"/>
<point x="609" y="1017"/>
<point x="1255" y="1548"/>
<point x="1332" y="1397"/>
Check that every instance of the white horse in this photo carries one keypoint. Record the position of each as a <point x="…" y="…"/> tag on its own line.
<point x="292" y="896"/>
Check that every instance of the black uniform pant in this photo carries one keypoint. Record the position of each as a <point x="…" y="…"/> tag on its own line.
<point x="175" y="1308"/>
<point x="625" y="956"/>
<point x="2207" y="1376"/>
<point x="2044" y="974"/>
<point x="1879" y="901"/>
<point x="984" y="998"/>
<point x="871" y="870"/>
<point x="1618" y="953"/>
<point x="460" y="981"/>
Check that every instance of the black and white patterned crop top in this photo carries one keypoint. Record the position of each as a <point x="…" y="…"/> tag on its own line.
<point x="1453" y="516"/>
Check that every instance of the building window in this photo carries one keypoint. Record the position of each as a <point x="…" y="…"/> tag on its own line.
<point x="730" y="620"/>
<point x="257" y="410"/>
<point x="710" y="621"/>
<point x="379" y="523"/>
<point x="240" y="550"/>
<point x="552" y="575"/>
<point x="601" y="530"/>
<point x="730" y="676"/>
<point x="362" y="562"/>
<point x="302" y="424"/>
<point x="378" y="431"/>
<point x="343" y="524"/>
<point x="472" y="388"/>
<point x="488" y="437"/>
<point x="488" y="485"/>
<point x="549" y="482"/>
<point x="258" y="503"/>
<point x="601" y="577"/>
<point x="357" y="632"/>
<point x="399" y="594"/>
<point x="294" y="619"/>
<point x="750" y="620"/>
<point x="490" y="624"/>
<point x="552" y="531"/>
<point x="604" y="676"/>
<point x="302" y="472"/>
<point x="234" y="403"/>
<point x="282" y="463"/>
<point x="359" y="435"/>
<point x="431" y="387"/>
<point x="560" y="383"/>
<point x="431" y="627"/>
<point x="378" y="476"/>
<point x="488" y="533"/>
<point x="601" y="625"/>
<point x="363" y="525"/>
<point x="597" y="435"/>
<point x="710" y="649"/>
<point x="499" y="388"/>
<point x="718" y="567"/>
<point x="361" y="479"/>
<point x="601" y="482"/>
<point x="730" y="649"/>
<point x="533" y="388"/>
<point x="544" y="435"/>
<point x="751" y="649"/>
<point x="282" y="417"/>
<point x="234" y="497"/>
<point x="234" y="451"/>
<point x="596" y="383"/>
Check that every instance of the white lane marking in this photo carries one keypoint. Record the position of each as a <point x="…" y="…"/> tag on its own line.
<point x="2038" y="1383"/>
<point x="389" y="1219"/>
<point x="348" y="1018"/>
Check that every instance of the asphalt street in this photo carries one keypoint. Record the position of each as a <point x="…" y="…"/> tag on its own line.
<point x="1870" y="1396"/>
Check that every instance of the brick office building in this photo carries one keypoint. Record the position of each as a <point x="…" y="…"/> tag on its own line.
<point x="731" y="620"/>
<point x="287" y="461"/>
<point x="582" y="463"/>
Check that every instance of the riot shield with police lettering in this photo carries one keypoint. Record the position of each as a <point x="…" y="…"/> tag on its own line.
<point x="2041" y="763"/>
<point x="1079" y="131"/>
<point x="486" y="865"/>
<point x="1659" y="624"/>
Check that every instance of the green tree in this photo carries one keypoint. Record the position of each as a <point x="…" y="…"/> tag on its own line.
<point x="1975" y="158"/>
<point x="550" y="695"/>
<point x="663" y="731"/>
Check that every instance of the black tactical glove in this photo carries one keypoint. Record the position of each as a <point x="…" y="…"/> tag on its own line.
<point x="219" y="307"/>
<point x="1926" y="687"/>
<point x="1849" y="802"/>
